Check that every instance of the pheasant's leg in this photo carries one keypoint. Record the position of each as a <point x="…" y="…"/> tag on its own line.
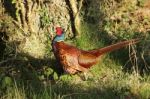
<point x="83" y="76"/>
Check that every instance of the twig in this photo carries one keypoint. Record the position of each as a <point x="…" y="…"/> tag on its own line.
<point x="9" y="59"/>
<point x="72" y="94"/>
<point x="133" y="59"/>
<point x="145" y="63"/>
<point x="17" y="24"/>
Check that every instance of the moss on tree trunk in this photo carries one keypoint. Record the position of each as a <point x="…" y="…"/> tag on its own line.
<point x="31" y="22"/>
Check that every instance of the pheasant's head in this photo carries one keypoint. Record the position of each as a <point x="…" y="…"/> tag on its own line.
<point x="59" y="31"/>
<point x="59" y="35"/>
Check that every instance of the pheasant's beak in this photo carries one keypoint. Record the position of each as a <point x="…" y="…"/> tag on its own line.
<point x="59" y="31"/>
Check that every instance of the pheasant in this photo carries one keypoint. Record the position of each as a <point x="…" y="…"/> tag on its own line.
<point x="74" y="60"/>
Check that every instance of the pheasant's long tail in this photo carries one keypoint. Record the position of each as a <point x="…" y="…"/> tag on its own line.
<point x="114" y="47"/>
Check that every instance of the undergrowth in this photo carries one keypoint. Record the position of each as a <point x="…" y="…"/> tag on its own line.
<point x="106" y="80"/>
<point x="107" y="84"/>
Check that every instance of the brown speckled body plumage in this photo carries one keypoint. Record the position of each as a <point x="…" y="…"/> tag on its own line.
<point x="74" y="60"/>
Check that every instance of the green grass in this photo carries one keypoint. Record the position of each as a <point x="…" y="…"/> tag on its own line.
<point x="106" y="80"/>
<point x="108" y="84"/>
<point x="90" y="37"/>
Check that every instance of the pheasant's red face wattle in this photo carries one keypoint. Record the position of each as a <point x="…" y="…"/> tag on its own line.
<point x="59" y="31"/>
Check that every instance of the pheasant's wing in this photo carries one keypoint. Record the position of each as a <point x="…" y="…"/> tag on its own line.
<point x="87" y="59"/>
<point x="69" y="59"/>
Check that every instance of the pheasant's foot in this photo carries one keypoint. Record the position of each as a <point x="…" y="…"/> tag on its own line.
<point x="83" y="76"/>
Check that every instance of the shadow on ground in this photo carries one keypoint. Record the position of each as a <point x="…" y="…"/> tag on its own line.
<point x="25" y="74"/>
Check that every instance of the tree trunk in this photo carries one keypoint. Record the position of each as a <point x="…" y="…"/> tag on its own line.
<point x="32" y="22"/>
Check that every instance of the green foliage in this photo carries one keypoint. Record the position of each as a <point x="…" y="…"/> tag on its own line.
<point x="66" y="77"/>
<point x="48" y="42"/>
<point x="107" y="80"/>
<point x="145" y="91"/>
<point x="90" y="37"/>
<point x="123" y="19"/>
<point x="48" y="71"/>
<point x="109" y="83"/>
<point x="45" y="18"/>
<point x="120" y="32"/>
<point x="141" y="2"/>
<point x="14" y="1"/>
<point x="6" y="82"/>
<point x="55" y="76"/>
